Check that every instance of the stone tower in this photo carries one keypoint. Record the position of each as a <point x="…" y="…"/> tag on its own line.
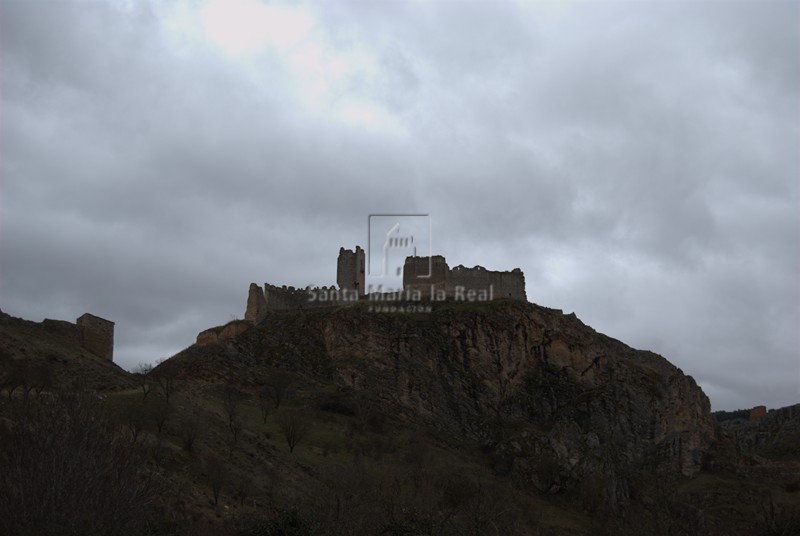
<point x="350" y="270"/>
<point x="256" y="305"/>
<point x="97" y="335"/>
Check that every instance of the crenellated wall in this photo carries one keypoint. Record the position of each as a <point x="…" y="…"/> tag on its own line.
<point x="275" y="298"/>
<point x="425" y="277"/>
<point x="426" y="273"/>
<point x="509" y="285"/>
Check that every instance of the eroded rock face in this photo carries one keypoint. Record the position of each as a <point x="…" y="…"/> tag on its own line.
<point x="532" y="382"/>
<point x="554" y="403"/>
<point x="223" y="333"/>
<point x="206" y="337"/>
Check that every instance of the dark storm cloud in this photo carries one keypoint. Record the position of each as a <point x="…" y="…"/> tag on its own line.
<point x="637" y="160"/>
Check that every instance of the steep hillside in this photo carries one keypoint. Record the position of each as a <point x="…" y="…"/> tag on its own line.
<point x="530" y="384"/>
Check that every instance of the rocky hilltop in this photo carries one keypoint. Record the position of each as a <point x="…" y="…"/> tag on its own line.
<point x="556" y="403"/>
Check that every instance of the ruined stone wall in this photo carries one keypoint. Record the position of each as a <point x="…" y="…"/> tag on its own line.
<point x="509" y="285"/>
<point x="286" y="298"/>
<point x="427" y="277"/>
<point x="757" y="413"/>
<point x="424" y="273"/>
<point x="256" y="305"/>
<point x="66" y="331"/>
<point x="350" y="274"/>
<point x="455" y="282"/>
<point x="97" y="335"/>
<point x="282" y="298"/>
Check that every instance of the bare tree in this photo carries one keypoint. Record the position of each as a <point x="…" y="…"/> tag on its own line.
<point x="30" y="376"/>
<point x="64" y="469"/>
<point x="242" y="489"/>
<point x="295" y="426"/>
<point x="217" y="475"/>
<point x="231" y="440"/>
<point x="189" y="429"/>
<point x="167" y="380"/>
<point x="278" y="382"/>
<point x="18" y="375"/>
<point x="232" y="399"/>
<point x="135" y="418"/>
<point x="158" y="412"/>
<point x="236" y="427"/>
<point x="142" y="372"/>
<point x="265" y="402"/>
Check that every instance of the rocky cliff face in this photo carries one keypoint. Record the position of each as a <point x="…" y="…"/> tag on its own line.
<point x="554" y="402"/>
<point x="559" y="388"/>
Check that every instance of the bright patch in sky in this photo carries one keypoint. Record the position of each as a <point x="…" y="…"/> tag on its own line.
<point x="246" y="26"/>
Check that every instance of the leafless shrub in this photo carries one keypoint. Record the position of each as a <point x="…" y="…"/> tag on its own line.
<point x="189" y="428"/>
<point x="277" y="384"/>
<point x="167" y="378"/>
<point x="232" y="399"/>
<point x="242" y="489"/>
<point x="265" y="402"/>
<point x="158" y="411"/>
<point x="135" y="419"/>
<point x="217" y="475"/>
<point x="142" y="372"/>
<point x="775" y="519"/>
<point x="64" y="469"/>
<point x="295" y="426"/>
<point x="17" y="375"/>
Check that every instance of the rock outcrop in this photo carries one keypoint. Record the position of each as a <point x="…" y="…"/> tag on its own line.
<point x="222" y="333"/>
<point x="554" y="402"/>
<point x="563" y="390"/>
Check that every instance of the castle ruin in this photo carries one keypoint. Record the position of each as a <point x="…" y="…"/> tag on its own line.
<point x="426" y="277"/>
<point x="432" y="274"/>
<point x="96" y="335"/>
<point x="350" y="270"/>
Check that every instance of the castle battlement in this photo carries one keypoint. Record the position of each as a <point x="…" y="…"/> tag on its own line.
<point x="432" y="274"/>
<point x="425" y="277"/>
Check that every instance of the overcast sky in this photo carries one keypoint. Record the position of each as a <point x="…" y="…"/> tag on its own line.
<point x="638" y="160"/>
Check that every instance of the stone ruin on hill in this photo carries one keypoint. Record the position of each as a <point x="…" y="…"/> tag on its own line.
<point x="97" y="335"/>
<point x="90" y="332"/>
<point x="424" y="278"/>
